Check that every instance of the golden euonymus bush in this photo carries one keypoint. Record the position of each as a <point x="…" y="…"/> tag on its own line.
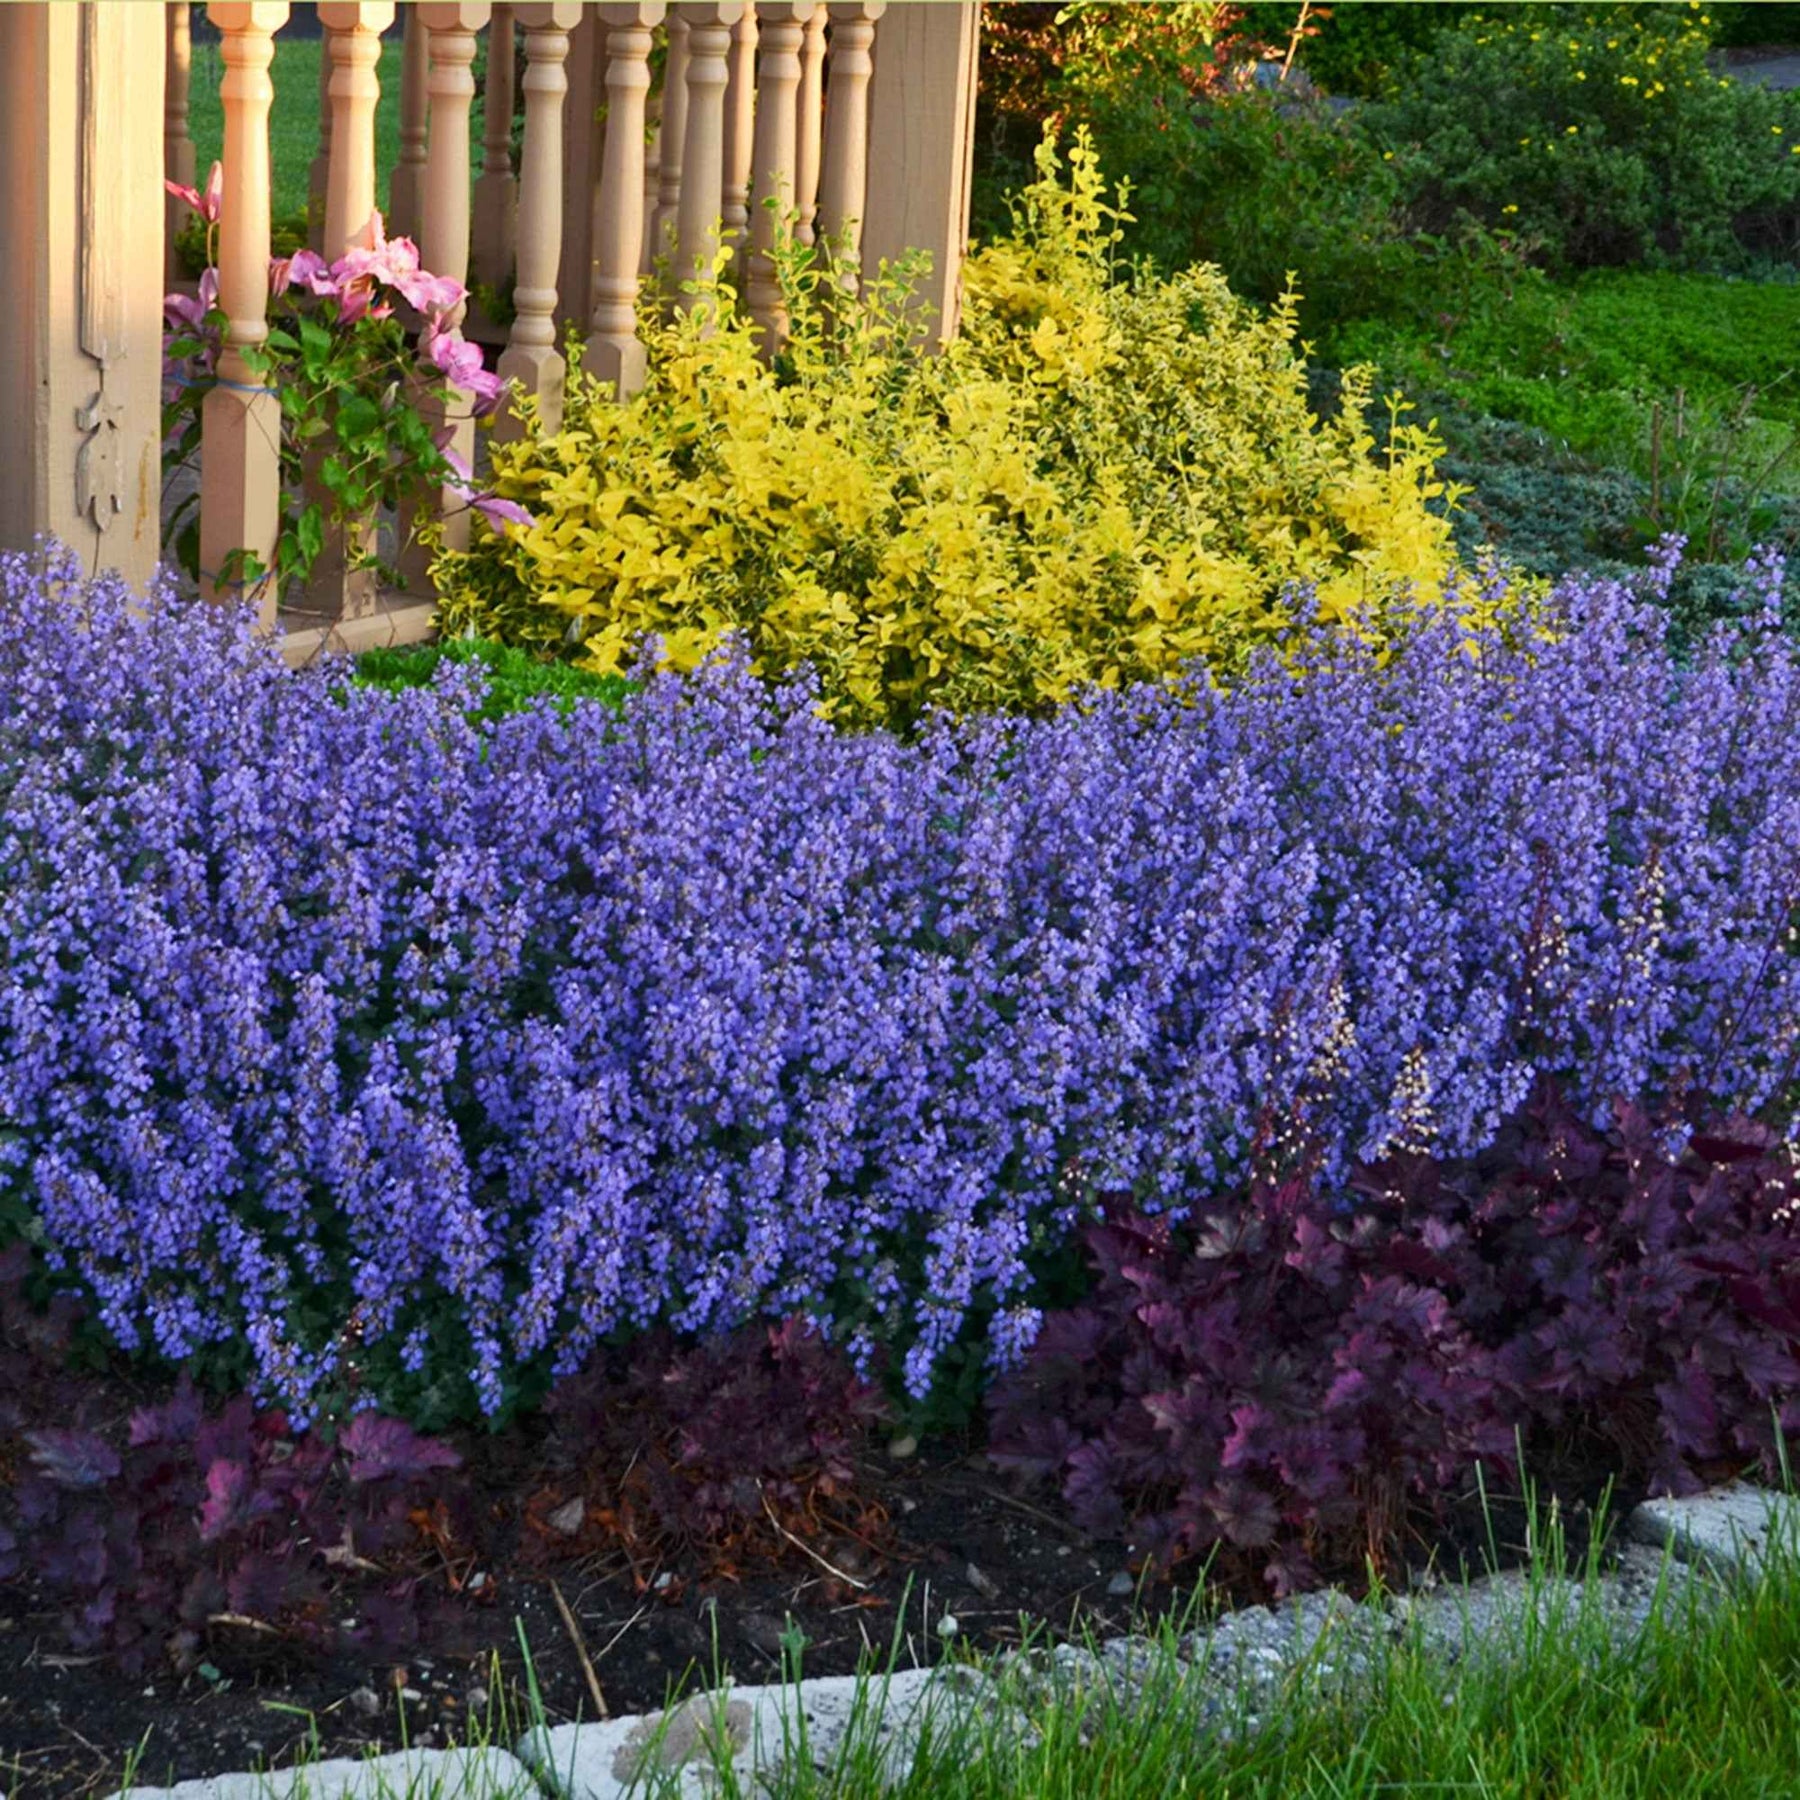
<point x="1100" y="481"/>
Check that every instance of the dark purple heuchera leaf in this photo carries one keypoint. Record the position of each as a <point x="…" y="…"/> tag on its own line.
<point x="259" y="1586"/>
<point x="383" y="1449"/>
<point x="176" y="1421"/>
<point x="233" y="1501"/>
<point x="73" y="1458"/>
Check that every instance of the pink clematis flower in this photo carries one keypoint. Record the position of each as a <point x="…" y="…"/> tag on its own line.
<point x="395" y="263"/>
<point x="205" y="201"/>
<point x="456" y="357"/>
<point x="304" y="269"/>
<point x="188" y="311"/>
<point x="498" y="513"/>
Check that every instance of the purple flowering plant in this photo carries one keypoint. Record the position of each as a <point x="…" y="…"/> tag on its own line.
<point x="354" y="438"/>
<point x="319" y="1001"/>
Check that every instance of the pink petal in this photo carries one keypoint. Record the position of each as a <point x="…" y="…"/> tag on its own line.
<point x="306" y="268"/>
<point x="486" y="389"/>
<point x="215" y="193"/>
<point x="500" y="512"/>
<point x="431" y="294"/>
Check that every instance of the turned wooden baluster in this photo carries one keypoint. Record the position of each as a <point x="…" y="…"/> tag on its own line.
<point x="406" y="187"/>
<point x="844" y="178"/>
<point x="782" y="25"/>
<point x="674" y="133"/>
<point x="178" y="146"/>
<point x="531" y="358"/>
<point x="343" y="581"/>
<point x="240" y="460"/>
<point x="740" y="129"/>
<point x="709" y="25"/>
<point x="353" y="50"/>
<point x="582" y="146"/>
<point x="496" y="192"/>
<point x="318" y="176"/>
<point x="809" y="123"/>
<point x="444" y="248"/>
<point x="613" y="352"/>
<point x="652" y="183"/>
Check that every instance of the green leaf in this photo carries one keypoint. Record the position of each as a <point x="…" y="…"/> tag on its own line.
<point x="187" y="547"/>
<point x="358" y="417"/>
<point x="310" y="531"/>
<point x="315" y="346"/>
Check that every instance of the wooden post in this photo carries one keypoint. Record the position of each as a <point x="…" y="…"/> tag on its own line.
<point x="921" y="139"/>
<point x="178" y="146"/>
<point x="613" y="352"/>
<point x="674" y="131"/>
<point x="809" y="123"/>
<point x="496" y="192"/>
<point x="318" y="176"/>
<point x="353" y="47"/>
<point x="240" y="459"/>
<point x="844" y="177"/>
<point x="82" y="243"/>
<point x="740" y="129"/>
<point x="703" y="146"/>
<point x="445" y="248"/>
<point x="531" y="356"/>
<point x="782" y="25"/>
<point x="406" y="188"/>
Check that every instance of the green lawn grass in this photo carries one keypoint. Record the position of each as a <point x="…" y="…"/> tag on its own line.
<point x="294" y="117"/>
<point x="1587" y="361"/>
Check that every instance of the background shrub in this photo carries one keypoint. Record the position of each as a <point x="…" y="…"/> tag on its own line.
<point x="1353" y="46"/>
<point x="1604" y="137"/>
<point x="1275" y="192"/>
<point x="333" y="1021"/>
<point x="1099" y="482"/>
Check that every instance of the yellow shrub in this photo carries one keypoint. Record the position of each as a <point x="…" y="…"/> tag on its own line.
<point x="1100" y="481"/>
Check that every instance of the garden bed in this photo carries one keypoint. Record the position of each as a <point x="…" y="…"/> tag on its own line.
<point x="958" y="1545"/>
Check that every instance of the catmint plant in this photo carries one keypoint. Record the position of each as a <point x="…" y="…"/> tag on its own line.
<point x="505" y="1038"/>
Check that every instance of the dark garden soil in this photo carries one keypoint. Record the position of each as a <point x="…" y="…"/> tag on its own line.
<point x="938" y="1537"/>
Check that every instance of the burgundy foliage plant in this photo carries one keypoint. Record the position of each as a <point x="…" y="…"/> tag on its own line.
<point x="1283" y="1376"/>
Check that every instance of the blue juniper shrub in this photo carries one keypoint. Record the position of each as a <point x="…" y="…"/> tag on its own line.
<point x="506" y="1038"/>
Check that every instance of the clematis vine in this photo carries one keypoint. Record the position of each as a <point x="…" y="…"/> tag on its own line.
<point x="353" y="377"/>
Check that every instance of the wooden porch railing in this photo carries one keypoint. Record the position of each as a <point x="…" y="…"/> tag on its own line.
<point x="621" y="170"/>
